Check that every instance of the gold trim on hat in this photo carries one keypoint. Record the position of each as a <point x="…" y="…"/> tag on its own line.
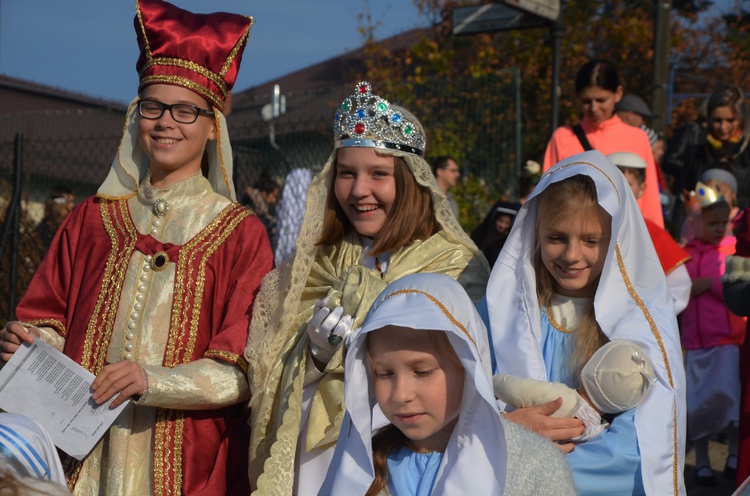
<point x="217" y="79"/>
<point x="186" y="83"/>
<point x="237" y="48"/>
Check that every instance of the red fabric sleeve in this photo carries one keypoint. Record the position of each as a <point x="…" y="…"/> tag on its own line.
<point x="65" y="287"/>
<point x="237" y="273"/>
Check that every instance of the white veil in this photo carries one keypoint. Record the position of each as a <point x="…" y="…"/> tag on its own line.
<point x="632" y="303"/>
<point x="476" y="456"/>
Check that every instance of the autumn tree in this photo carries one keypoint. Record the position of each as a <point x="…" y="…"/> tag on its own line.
<point x="705" y="51"/>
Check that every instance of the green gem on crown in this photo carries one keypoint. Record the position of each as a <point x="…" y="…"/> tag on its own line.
<point x="382" y="107"/>
<point x="345" y="106"/>
<point x="408" y="129"/>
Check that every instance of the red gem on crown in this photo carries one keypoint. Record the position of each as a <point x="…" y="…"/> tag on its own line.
<point x="363" y="88"/>
<point x="359" y="128"/>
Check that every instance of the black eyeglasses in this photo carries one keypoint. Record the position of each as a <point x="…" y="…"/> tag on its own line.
<point x="180" y="112"/>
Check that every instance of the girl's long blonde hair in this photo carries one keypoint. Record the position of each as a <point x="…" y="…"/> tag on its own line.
<point x="574" y="196"/>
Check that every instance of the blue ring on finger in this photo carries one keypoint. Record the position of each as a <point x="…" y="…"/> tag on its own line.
<point x="334" y="340"/>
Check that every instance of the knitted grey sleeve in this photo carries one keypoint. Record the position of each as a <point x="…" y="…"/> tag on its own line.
<point x="535" y="465"/>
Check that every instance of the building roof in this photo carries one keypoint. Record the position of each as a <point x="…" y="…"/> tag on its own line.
<point x="312" y="92"/>
<point x="342" y="69"/>
<point x="18" y="95"/>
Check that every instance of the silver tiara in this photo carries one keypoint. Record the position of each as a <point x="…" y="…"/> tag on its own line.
<point x="366" y="120"/>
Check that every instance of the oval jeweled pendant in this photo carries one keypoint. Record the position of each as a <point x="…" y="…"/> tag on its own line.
<point x="160" y="208"/>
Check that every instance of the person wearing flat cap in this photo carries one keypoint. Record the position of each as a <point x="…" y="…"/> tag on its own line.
<point x="631" y="109"/>
<point x="150" y="284"/>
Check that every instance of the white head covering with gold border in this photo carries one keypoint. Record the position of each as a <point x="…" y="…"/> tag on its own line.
<point x="632" y="303"/>
<point x="475" y="458"/>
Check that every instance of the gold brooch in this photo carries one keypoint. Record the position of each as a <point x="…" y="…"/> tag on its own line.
<point x="159" y="261"/>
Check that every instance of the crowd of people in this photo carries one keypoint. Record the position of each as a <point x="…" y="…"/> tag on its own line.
<point x="356" y="340"/>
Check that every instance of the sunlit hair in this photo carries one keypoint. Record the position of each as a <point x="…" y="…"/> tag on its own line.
<point x="730" y="96"/>
<point x="412" y="215"/>
<point x="389" y="438"/>
<point x="572" y="197"/>
<point x="597" y="72"/>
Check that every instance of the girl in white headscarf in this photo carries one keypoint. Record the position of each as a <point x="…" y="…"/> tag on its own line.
<point x="423" y="356"/>
<point x="579" y="269"/>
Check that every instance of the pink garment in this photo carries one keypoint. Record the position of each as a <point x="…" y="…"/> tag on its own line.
<point x="611" y="136"/>
<point x="707" y="322"/>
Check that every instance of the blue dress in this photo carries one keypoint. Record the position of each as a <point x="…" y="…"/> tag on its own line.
<point x="608" y="464"/>
<point x="411" y="473"/>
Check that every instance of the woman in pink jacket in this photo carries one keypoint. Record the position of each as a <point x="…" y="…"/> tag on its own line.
<point x="711" y="336"/>
<point x="598" y="89"/>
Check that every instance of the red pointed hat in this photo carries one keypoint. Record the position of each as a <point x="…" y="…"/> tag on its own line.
<point x="201" y="52"/>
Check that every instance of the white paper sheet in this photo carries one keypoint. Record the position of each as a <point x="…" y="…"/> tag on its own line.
<point x="42" y="383"/>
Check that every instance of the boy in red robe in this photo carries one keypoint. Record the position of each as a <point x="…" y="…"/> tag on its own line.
<point x="150" y="284"/>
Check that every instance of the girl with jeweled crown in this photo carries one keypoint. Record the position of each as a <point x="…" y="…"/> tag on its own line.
<point x="374" y="214"/>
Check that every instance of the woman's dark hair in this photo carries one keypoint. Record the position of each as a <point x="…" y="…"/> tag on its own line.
<point x="730" y="96"/>
<point x="597" y="72"/>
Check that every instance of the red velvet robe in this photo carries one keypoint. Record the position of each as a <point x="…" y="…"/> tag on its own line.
<point x="77" y="289"/>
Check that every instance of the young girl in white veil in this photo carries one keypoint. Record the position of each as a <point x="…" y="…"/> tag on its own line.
<point x="423" y="356"/>
<point x="579" y="269"/>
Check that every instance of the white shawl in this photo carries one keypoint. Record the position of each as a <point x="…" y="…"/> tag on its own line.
<point x="475" y="459"/>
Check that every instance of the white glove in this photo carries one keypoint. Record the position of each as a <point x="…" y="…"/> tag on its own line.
<point x="328" y="329"/>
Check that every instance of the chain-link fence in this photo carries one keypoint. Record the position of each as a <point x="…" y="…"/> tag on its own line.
<point x="476" y="120"/>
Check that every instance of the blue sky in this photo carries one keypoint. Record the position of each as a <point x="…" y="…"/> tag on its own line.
<point x="89" y="46"/>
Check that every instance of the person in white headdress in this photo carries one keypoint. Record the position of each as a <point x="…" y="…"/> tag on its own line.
<point x="150" y="284"/>
<point x="422" y="358"/>
<point x="28" y="458"/>
<point x="374" y="214"/>
<point x="579" y="269"/>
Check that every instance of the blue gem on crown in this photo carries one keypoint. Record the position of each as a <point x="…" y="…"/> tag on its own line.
<point x="366" y="120"/>
<point x="707" y="195"/>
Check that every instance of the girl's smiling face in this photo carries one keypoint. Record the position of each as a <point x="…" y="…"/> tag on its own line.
<point x="573" y="250"/>
<point x="365" y="188"/>
<point x="419" y="389"/>
<point x="175" y="150"/>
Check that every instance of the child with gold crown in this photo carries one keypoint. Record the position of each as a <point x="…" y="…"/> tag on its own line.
<point x="150" y="284"/>
<point x="711" y="336"/>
